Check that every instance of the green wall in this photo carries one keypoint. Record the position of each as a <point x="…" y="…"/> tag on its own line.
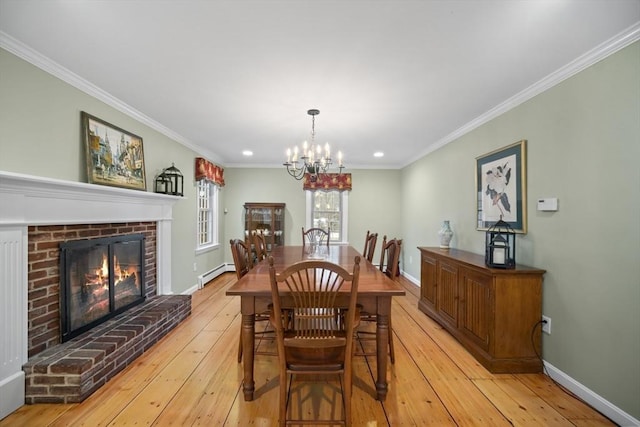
<point x="275" y="185"/>
<point x="40" y="135"/>
<point x="583" y="145"/>
<point x="583" y="148"/>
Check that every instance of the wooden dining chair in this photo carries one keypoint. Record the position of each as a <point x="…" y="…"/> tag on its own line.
<point x="315" y="235"/>
<point x="370" y="246"/>
<point x="389" y="266"/>
<point x="242" y="259"/>
<point x="319" y="339"/>
<point x="260" y="245"/>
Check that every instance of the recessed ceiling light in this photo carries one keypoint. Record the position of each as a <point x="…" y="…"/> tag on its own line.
<point x="247" y="153"/>
<point x="378" y="154"/>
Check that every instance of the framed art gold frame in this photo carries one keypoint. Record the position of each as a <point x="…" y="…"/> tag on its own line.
<point x="114" y="156"/>
<point x="501" y="187"/>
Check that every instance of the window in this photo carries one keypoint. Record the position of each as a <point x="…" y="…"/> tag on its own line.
<point x="207" y="214"/>
<point x="328" y="210"/>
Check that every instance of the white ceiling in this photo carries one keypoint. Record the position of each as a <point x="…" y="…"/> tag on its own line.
<point x="403" y="77"/>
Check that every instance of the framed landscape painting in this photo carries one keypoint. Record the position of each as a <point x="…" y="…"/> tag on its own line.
<point x="115" y="157"/>
<point x="501" y="187"/>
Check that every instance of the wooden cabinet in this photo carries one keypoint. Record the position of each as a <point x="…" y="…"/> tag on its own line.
<point x="267" y="219"/>
<point x="494" y="313"/>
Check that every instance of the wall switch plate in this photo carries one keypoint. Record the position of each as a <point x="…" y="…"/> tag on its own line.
<point x="548" y="205"/>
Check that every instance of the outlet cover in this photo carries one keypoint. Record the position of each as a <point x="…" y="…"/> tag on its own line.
<point x="546" y="327"/>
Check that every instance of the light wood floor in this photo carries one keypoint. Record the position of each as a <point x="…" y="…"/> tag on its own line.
<point x="192" y="377"/>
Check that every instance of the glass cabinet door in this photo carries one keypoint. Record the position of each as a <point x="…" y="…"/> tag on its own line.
<point x="278" y="226"/>
<point x="266" y="219"/>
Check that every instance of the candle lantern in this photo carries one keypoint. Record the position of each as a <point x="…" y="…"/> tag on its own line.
<point x="161" y="183"/>
<point x="500" y="246"/>
<point x="170" y="181"/>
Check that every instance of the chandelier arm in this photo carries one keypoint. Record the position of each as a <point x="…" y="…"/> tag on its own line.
<point x="297" y="173"/>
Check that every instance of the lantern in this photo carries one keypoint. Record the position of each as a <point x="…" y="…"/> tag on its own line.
<point x="161" y="184"/>
<point x="500" y="246"/>
<point x="170" y="181"/>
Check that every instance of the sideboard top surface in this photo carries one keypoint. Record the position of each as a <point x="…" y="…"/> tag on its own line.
<point x="476" y="260"/>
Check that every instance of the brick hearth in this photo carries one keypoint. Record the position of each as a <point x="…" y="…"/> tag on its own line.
<point x="70" y="372"/>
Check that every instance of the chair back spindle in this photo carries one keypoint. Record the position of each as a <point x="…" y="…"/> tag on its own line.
<point x="241" y="257"/>
<point x="315" y="236"/>
<point x="260" y="243"/>
<point x="370" y="246"/>
<point x="390" y="251"/>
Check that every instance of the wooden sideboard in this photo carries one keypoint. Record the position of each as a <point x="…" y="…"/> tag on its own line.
<point x="493" y="313"/>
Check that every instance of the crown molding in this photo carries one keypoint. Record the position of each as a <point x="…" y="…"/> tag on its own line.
<point x="614" y="44"/>
<point x="600" y="52"/>
<point x="37" y="59"/>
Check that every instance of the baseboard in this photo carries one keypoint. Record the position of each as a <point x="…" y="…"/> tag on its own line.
<point x="600" y="404"/>
<point x="410" y="278"/>
<point x="204" y="278"/>
<point x="11" y="393"/>
<point x="192" y="289"/>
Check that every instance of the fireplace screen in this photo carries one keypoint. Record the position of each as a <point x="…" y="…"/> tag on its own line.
<point x="100" y="278"/>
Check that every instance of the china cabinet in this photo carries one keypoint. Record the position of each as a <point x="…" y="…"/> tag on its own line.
<point x="493" y="313"/>
<point x="266" y="219"/>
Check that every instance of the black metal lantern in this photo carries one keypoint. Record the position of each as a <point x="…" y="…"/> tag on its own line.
<point x="170" y="181"/>
<point x="500" y="246"/>
<point x="161" y="184"/>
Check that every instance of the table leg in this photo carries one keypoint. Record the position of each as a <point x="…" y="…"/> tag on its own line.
<point x="248" y="337"/>
<point x="382" y="340"/>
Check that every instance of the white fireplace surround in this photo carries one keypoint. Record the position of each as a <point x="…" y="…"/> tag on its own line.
<point x="30" y="200"/>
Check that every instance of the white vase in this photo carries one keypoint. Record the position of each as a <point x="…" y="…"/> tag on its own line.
<point x="445" y="234"/>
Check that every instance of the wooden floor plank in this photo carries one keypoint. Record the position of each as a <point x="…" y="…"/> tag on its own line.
<point x="519" y="404"/>
<point x="433" y="361"/>
<point x="191" y="377"/>
<point x="215" y="382"/>
<point x="35" y="415"/>
<point x="411" y="400"/>
<point x="565" y="403"/>
<point x="467" y="405"/>
<point x="445" y="341"/>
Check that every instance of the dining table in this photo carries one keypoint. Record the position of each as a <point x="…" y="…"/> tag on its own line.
<point x="375" y="291"/>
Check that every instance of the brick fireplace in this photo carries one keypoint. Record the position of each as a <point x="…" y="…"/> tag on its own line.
<point x="44" y="274"/>
<point x="41" y="210"/>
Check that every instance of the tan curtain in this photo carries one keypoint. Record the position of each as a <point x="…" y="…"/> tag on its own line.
<point x="328" y="181"/>
<point x="207" y="170"/>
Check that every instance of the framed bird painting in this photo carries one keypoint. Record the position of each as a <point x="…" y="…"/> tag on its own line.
<point x="501" y="185"/>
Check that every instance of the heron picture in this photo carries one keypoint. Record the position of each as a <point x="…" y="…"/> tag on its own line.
<point x="501" y="187"/>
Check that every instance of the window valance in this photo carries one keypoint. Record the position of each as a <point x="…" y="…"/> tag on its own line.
<point x="327" y="182"/>
<point x="207" y="170"/>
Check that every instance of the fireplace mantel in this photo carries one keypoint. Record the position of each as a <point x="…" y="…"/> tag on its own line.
<point x="31" y="200"/>
<point x="35" y="200"/>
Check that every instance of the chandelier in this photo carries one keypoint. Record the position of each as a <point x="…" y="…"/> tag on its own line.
<point x="314" y="159"/>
